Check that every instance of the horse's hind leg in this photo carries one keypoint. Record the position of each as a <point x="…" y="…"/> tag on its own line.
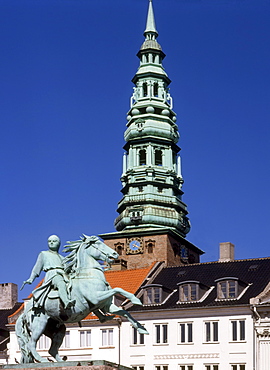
<point x="37" y="327"/>
<point x="56" y="332"/>
<point x="103" y="318"/>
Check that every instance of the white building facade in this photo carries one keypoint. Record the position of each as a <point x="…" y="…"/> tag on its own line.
<point x="196" y="333"/>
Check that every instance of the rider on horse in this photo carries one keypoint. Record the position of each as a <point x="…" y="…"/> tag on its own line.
<point x="51" y="262"/>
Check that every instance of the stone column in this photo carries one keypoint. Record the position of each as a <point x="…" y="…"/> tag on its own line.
<point x="179" y="169"/>
<point x="149" y="155"/>
<point x="124" y="163"/>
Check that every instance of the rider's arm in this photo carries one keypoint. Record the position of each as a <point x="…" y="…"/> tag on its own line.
<point x="36" y="269"/>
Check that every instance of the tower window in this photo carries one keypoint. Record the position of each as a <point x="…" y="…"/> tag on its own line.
<point x="144" y="89"/>
<point x="150" y="245"/>
<point x="150" y="248"/>
<point x="119" y="247"/>
<point x="158" y="158"/>
<point x="142" y="157"/>
<point x="155" y="89"/>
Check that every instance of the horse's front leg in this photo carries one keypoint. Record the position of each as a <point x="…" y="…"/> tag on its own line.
<point x="103" y="295"/>
<point x="119" y="311"/>
<point x="57" y="333"/>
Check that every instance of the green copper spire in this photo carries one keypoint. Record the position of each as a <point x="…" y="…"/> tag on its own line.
<point x="150" y="23"/>
<point x="151" y="179"/>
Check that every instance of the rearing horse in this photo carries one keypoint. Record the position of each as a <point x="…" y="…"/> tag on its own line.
<point x="91" y="293"/>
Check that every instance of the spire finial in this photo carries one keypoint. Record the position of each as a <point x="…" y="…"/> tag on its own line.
<point x="150" y="23"/>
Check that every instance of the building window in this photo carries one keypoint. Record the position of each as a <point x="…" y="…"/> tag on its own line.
<point x="211" y="331"/>
<point x="186" y="367"/>
<point x="161" y="333"/>
<point x="189" y="292"/>
<point x="137" y="338"/>
<point x="155" y="89"/>
<point x="150" y="247"/>
<point x="145" y="84"/>
<point x="44" y="342"/>
<point x="238" y="330"/>
<point x="66" y="341"/>
<point x="238" y="367"/>
<point x="227" y="289"/>
<point x="211" y="367"/>
<point x="137" y="367"/>
<point x="85" y="338"/>
<point x="161" y="367"/>
<point x="142" y="157"/>
<point x="186" y="332"/>
<point x="158" y="157"/>
<point x="107" y="337"/>
<point x="152" y="295"/>
<point x="149" y="244"/>
<point x="119" y="247"/>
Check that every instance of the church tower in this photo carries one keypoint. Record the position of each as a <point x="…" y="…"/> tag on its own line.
<point x="152" y="222"/>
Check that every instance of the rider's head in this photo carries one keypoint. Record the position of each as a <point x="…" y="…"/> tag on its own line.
<point x="54" y="243"/>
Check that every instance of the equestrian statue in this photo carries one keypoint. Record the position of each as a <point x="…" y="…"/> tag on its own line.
<point x="73" y="287"/>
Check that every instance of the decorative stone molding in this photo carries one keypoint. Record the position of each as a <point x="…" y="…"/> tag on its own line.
<point x="263" y="331"/>
<point x="192" y="356"/>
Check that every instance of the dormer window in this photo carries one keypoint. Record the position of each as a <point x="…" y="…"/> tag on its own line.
<point x="191" y="291"/>
<point x="229" y="288"/>
<point x="154" y="294"/>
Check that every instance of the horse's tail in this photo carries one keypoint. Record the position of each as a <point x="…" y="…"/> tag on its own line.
<point x="23" y="337"/>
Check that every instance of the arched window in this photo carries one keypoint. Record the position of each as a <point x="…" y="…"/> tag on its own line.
<point x="158" y="158"/>
<point x="150" y="247"/>
<point x="190" y="291"/>
<point x="119" y="247"/>
<point x="150" y="244"/>
<point x="144" y="89"/>
<point x="142" y="157"/>
<point x="155" y="89"/>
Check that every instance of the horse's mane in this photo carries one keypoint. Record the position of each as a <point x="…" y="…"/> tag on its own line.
<point x="71" y="261"/>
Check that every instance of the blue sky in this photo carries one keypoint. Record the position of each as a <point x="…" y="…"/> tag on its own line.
<point x="65" y="77"/>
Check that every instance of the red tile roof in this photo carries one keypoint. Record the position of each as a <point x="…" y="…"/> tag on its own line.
<point x="129" y="280"/>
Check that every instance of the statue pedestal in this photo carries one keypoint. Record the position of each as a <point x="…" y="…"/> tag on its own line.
<point x="69" y="365"/>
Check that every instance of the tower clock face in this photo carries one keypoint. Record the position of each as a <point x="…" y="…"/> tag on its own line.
<point x="134" y="246"/>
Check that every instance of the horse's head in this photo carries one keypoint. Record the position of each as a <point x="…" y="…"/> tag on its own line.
<point x="99" y="250"/>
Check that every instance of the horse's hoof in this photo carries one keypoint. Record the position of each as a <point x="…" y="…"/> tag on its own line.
<point x="41" y="360"/>
<point x="136" y="300"/>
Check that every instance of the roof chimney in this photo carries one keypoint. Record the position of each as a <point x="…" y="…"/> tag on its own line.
<point x="8" y="295"/>
<point x="226" y="252"/>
